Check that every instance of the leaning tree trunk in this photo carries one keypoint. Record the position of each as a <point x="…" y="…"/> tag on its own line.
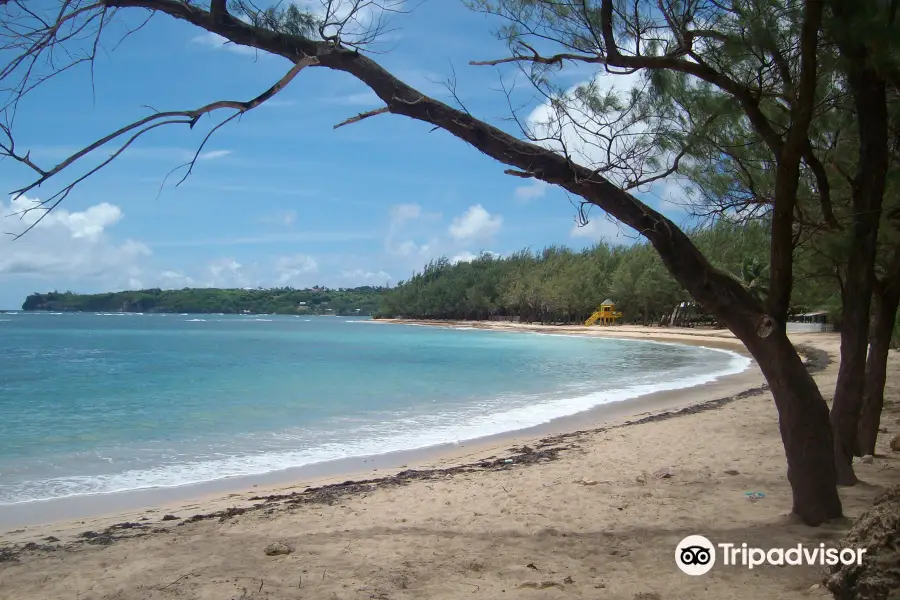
<point x="805" y="431"/>
<point x="886" y="301"/>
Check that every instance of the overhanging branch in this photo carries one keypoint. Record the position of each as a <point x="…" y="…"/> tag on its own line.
<point x="718" y="291"/>
<point x="135" y="130"/>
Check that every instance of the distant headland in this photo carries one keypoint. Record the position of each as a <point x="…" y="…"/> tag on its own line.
<point x="314" y="301"/>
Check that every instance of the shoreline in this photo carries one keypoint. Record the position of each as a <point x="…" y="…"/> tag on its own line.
<point x="49" y="512"/>
<point x="570" y="514"/>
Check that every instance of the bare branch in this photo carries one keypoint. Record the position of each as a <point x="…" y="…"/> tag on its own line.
<point x="364" y="115"/>
<point x="522" y="174"/>
<point x="135" y="130"/>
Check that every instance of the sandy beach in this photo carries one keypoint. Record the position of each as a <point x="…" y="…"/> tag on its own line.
<point x="588" y="506"/>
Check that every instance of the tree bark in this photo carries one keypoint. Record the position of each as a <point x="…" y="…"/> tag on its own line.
<point x="805" y="431"/>
<point x="886" y="298"/>
<point x="869" y="93"/>
<point x="802" y="410"/>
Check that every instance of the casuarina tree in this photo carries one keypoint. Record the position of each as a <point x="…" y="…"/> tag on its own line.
<point x="754" y="61"/>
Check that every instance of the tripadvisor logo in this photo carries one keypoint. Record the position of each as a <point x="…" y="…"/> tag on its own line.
<point x="696" y="555"/>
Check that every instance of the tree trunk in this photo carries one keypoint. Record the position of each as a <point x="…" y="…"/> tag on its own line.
<point x="803" y="422"/>
<point x="886" y="302"/>
<point x="847" y="405"/>
<point x="869" y="92"/>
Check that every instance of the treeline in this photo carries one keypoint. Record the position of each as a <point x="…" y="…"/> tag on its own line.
<point x="561" y="285"/>
<point x="318" y="300"/>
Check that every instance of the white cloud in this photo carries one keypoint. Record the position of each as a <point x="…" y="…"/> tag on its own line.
<point x="217" y="42"/>
<point x="599" y="228"/>
<point x="401" y="213"/>
<point x="175" y="280"/>
<point x="363" y="277"/>
<point x="213" y="154"/>
<point x="466" y="256"/>
<point x="411" y="249"/>
<point x="622" y="142"/>
<point x="290" y="268"/>
<point x="475" y="224"/>
<point x="224" y="266"/>
<point x="88" y="224"/>
<point x="356" y="19"/>
<point x="397" y="241"/>
<point x="533" y="191"/>
<point x="66" y="245"/>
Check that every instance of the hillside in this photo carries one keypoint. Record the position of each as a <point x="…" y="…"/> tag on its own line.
<point x="362" y="300"/>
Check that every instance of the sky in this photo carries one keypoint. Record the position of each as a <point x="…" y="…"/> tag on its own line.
<point x="279" y="198"/>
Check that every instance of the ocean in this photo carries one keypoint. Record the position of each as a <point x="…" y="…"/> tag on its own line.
<point x="104" y="403"/>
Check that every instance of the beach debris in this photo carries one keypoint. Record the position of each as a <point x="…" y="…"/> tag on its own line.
<point x="586" y="481"/>
<point x="641" y="479"/>
<point x="8" y="555"/>
<point x="531" y="566"/>
<point x="51" y="538"/>
<point x="663" y="473"/>
<point x="895" y="443"/>
<point x="170" y="518"/>
<point x="754" y="496"/>
<point x="599" y="585"/>
<point x="868" y="459"/>
<point x="540" y="586"/>
<point x="732" y="472"/>
<point x="101" y="540"/>
<point x="568" y="579"/>
<point x="508" y="461"/>
<point x="646" y="596"/>
<point x="277" y="549"/>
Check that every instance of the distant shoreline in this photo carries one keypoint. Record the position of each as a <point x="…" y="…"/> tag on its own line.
<point x="178" y="312"/>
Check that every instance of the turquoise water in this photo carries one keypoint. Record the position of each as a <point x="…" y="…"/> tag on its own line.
<point x="93" y="403"/>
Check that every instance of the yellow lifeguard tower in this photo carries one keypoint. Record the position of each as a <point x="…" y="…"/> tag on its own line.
<point x="604" y="315"/>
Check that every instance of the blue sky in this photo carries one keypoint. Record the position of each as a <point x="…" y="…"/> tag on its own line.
<point x="280" y="198"/>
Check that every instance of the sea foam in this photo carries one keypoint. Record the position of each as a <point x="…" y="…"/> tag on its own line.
<point x="410" y="433"/>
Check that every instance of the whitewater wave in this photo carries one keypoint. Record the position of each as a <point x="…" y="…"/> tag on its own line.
<point x="195" y="320"/>
<point x="409" y="433"/>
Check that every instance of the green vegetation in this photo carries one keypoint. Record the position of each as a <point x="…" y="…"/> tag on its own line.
<point x="560" y="285"/>
<point x="316" y="301"/>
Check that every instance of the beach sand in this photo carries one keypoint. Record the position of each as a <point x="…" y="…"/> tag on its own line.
<point x="592" y="506"/>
